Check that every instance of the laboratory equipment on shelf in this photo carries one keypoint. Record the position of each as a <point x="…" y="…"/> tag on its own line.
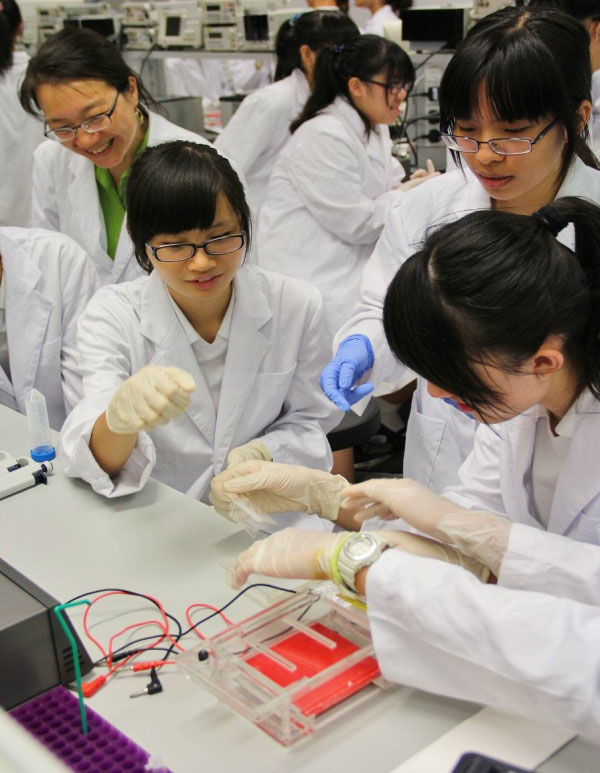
<point x="179" y="25"/>
<point x="258" y="22"/>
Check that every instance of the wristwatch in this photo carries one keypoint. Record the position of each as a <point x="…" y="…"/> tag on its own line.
<point x="358" y="551"/>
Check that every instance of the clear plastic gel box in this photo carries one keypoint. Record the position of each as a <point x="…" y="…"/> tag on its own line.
<point x="293" y="666"/>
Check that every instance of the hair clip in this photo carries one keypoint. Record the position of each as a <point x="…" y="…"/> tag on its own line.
<point x="337" y="49"/>
<point x="295" y="18"/>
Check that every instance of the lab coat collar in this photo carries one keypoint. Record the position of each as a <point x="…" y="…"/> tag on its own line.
<point x="570" y="500"/>
<point x="23" y="301"/>
<point x="249" y="342"/>
<point x="378" y="145"/>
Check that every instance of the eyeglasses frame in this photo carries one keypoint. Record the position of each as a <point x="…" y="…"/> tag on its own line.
<point x="108" y="114"/>
<point x="197" y="247"/>
<point x="389" y="87"/>
<point x="539" y="137"/>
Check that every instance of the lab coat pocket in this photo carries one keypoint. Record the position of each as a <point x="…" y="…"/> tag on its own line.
<point x="266" y="404"/>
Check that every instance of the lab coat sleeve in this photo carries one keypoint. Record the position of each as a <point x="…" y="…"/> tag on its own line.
<point x="390" y="252"/>
<point x="479" y="482"/>
<point x="79" y="281"/>
<point x="327" y="176"/>
<point x="550" y="563"/>
<point x="44" y="212"/>
<point x="104" y="364"/>
<point x="298" y="435"/>
<point x="437" y="628"/>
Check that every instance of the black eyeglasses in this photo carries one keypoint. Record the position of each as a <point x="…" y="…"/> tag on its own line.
<point x="222" y="245"/>
<point x="392" y="88"/>
<point x="91" y="125"/>
<point x="509" y="146"/>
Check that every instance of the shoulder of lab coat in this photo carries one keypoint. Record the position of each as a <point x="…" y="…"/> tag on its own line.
<point x="437" y="628"/>
<point x="260" y="126"/>
<point x="375" y="24"/>
<point x="411" y="216"/>
<point x="65" y="198"/>
<point x="49" y="280"/>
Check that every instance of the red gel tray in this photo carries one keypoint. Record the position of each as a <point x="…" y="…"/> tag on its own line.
<point x="311" y="657"/>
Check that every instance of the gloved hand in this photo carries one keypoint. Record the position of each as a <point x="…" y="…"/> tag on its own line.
<point x="479" y="534"/>
<point x="278" y="488"/>
<point x="353" y="359"/>
<point x="154" y="395"/>
<point x="255" y="449"/>
<point x="308" y="555"/>
<point x="419" y="176"/>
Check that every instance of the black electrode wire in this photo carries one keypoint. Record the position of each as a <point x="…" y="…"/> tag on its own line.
<point x="131" y="645"/>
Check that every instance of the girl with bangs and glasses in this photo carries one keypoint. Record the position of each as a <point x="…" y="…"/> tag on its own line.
<point x="515" y="104"/>
<point x="204" y="361"/>
<point x="335" y="180"/>
<point x="500" y="316"/>
<point x="97" y="119"/>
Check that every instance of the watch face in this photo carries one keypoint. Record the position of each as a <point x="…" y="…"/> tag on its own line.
<point x="360" y="547"/>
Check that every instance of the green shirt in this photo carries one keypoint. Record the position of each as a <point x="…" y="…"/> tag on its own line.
<point x="112" y="200"/>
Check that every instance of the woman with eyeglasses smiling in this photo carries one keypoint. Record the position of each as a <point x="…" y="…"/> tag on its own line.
<point x="205" y="361"/>
<point x="97" y="119"/>
<point x="515" y="102"/>
<point x="334" y="182"/>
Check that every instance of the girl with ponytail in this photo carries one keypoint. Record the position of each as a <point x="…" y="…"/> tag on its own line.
<point x="255" y="135"/>
<point x="335" y="180"/>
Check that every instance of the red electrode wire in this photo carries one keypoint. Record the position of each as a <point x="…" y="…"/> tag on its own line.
<point x="188" y="617"/>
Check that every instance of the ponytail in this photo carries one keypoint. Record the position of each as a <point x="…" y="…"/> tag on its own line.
<point x="315" y="29"/>
<point x="363" y="57"/>
<point x="490" y="289"/>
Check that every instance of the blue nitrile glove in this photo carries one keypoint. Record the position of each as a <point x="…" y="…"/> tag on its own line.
<point x="353" y="359"/>
<point x="452" y="402"/>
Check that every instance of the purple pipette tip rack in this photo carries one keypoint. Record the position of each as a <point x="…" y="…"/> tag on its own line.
<point x="54" y="719"/>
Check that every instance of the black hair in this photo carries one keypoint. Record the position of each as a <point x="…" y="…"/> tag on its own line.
<point x="173" y="187"/>
<point x="10" y="21"/>
<point x="580" y="9"/>
<point x="363" y="57"/>
<point x="76" y="53"/>
<point x="314" y="29"/>
<point x="526" y="64"/>
<point x="489" y="289"/>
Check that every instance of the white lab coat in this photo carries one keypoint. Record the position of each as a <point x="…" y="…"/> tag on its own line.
<point x="48" y="281"/>
<point x="65" y="198"/>
<point x="497" y="475"/>
<point x="329" y="195"/>
<point x="20" y="134"/>
<point x="382" y="16"/>
<point x="259" y="129"/>
<point x="439" y="437"/>
<point x="269" y="386"/>
<point x="437" y="628"/>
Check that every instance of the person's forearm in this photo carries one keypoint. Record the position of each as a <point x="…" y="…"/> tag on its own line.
<point x="346" y="520"/>
<point x="110" y="450"/>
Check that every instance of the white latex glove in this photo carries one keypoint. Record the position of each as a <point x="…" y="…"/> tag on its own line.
<point x="308" y="555"/>
<point x="278" y="488"/>
<point x="255" y="449"/>
<point x="154" y="395"/>
<point x="479" y="534"/>
<point x="419" y="176"/>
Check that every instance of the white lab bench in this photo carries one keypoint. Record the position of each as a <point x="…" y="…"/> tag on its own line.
<point x="69" y="540"/>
